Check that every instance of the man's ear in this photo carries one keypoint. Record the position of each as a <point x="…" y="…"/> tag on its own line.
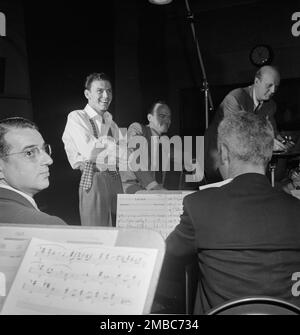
<point x="223" y="154"/>
<point x="149" y="117"/>
<point x="1" y="169"/>
<point x="87" y="93"/>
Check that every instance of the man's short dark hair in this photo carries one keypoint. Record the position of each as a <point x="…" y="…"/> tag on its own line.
<point x="95" y="76"/>
<point x="153" y="105"/>
<point x="11" y="123"/>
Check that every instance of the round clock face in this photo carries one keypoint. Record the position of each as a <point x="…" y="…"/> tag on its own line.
<point x="261" y="55"/>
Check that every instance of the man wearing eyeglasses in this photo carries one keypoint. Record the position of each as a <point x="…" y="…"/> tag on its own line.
<point x="24" y="171"/>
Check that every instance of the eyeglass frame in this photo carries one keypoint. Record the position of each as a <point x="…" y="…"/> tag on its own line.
<point x="46" y="148"/>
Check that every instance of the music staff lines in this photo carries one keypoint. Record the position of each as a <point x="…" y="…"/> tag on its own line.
<point x="49" y="289"/>
<point x="99" y="276"/>
<point x="89" y="255"/>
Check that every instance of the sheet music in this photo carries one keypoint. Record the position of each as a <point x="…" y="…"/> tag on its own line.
<point x="68" y="278"/>
<point x="160" y="212"/>
<point x="15" y="240"/>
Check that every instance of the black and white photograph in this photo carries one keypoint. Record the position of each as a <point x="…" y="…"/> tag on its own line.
<point x="149" y="160"/>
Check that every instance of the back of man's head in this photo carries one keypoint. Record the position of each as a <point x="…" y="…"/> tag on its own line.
<point x="12" y="123"/>
<point x="248" y="138"/>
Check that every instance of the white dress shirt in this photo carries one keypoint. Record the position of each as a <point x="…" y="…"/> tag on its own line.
<point x="218" y="184"/>
<point x="257" y="104"/>
<point x="78" y="137"/>
<point x="28" y="197"/>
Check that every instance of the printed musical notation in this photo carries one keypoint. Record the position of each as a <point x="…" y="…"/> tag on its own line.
<point x="48" y="289"/>
<point x="65" y="273"/>
<point x="81" y="279"/>
<point x="88" y="255"/>
<point x="159" y="212"/>
<point x="15" y="239"/>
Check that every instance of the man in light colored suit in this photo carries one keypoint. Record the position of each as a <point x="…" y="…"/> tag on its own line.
<point x="24" y="171"/>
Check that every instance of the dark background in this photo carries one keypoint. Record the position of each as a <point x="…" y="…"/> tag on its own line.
<point x="148" y="52"/>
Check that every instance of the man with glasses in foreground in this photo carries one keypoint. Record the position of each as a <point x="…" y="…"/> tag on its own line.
<point x="24" y="171"/>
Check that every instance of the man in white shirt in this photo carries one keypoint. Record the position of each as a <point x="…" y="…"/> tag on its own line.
<point x="88" y="133"/>
<point x="24" y="171"/>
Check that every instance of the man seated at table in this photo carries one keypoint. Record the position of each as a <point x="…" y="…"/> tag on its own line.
<point x="246" y="234"/>
<point x="159" y="118"/>
<point x="24" y="171"/>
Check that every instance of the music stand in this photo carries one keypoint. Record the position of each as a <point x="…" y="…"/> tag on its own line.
<point x="136" y="238"/>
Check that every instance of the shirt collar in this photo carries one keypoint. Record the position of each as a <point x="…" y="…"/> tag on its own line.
<point x="28" y="197"/>
<point x="154" y="132"/>
<point x="91" y="112"/>
<point x="255" y="101"/>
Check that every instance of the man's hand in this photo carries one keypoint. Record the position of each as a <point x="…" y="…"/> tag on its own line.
<point x="278" y="146"/>
<point x="295" y="178"/>
<point x="285" y="141"/>
<point x="158" y="187"/>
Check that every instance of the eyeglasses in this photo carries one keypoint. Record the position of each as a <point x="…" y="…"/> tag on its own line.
<point x="33" y="152"/>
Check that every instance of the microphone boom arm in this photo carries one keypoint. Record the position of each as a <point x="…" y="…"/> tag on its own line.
<point x="208" y="100"/>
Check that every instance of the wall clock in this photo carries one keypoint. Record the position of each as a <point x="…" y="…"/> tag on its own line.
<point x="261" y="55"/>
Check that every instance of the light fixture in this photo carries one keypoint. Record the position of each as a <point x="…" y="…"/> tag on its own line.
<point x="160" y="2"/>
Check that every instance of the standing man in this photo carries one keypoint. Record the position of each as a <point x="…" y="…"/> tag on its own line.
<point x="24" y="171"/>
<point x="257" y="99"/>
<point x="159" y="118"/>
<point x="88" y="133"/>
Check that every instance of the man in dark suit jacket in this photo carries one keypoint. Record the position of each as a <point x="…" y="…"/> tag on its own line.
<point x="257" y="99"/>
<point x="246" y="234"/>
<point x="159" y="118"/>
<point x="24" y="171"/>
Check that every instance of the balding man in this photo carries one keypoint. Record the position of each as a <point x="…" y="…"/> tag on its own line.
<point x="257" y="99"/>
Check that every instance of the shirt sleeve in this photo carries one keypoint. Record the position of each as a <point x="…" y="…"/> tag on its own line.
<point x="230" y="105"/>
<point x="80" y="144"/>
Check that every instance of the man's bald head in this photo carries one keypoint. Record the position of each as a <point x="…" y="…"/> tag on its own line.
<point x="266" y="82"/>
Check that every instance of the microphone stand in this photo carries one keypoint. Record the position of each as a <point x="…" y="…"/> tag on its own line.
<point x="207" y="96"/>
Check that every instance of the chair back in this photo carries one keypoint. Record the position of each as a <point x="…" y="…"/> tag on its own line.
<point x="255" y="306"/>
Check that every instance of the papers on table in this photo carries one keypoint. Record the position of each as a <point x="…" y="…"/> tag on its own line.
<point x="156" y="211"/>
